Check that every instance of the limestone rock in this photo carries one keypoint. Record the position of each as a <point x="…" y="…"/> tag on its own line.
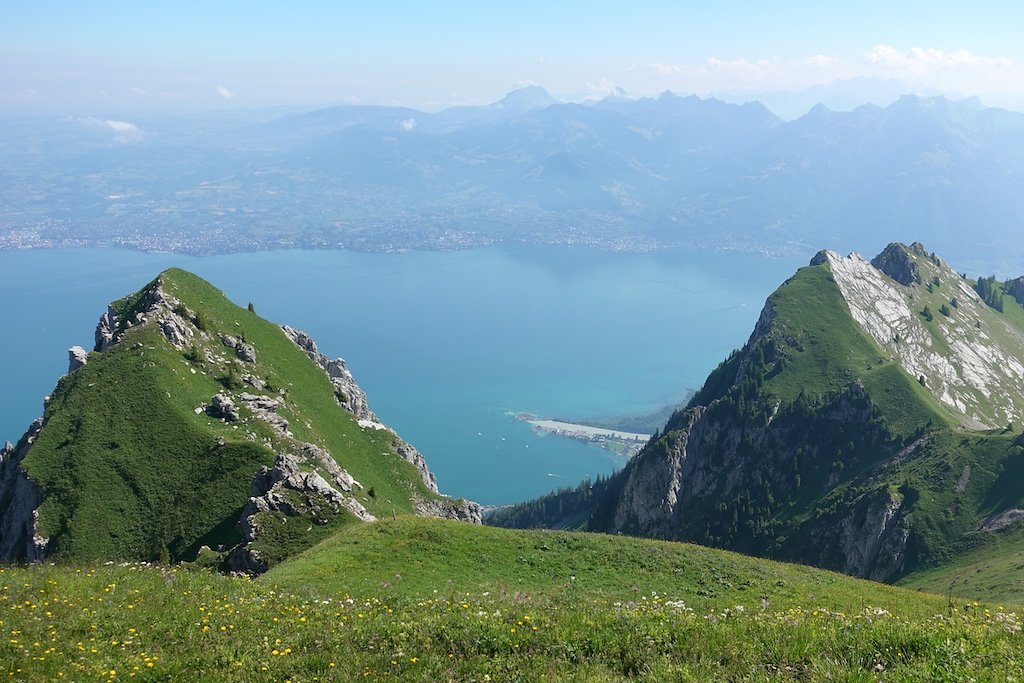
<point x="352" y="398"/>
<point x="321" y="458"/>
<point x="77" y="357"/>
<point x="349" y="395"/>
<point x="1015" y="288"/>
<point x="964" y="372"/>
<point x="1003" y="520"/>
<point x="20" y="498"/>
<point x="242" y="350"/>
<point x="176" y="330"/>
<point x="874" y="537"/>
<point x="291" y="488"/>
<point x="245" y="560"/>
<point x="265" y="408"/>
<point x="895" y="262"/>
<point x="450" y="508"/>
<point x="223" y="408"/>
<point x="254" y="382"/>
<point x="106" y="329"/>
<point x="246" y="352"/>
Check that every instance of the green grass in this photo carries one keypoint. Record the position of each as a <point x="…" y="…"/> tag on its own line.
<point x="832" y="351"/>
<point x="429" y="600"/>
<point x="311" y="409"/>
<point x="994" y="571"/>
<point x="455" y="558"/>
<point x="130" y="471"/>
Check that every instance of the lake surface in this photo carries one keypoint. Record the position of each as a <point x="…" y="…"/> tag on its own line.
<point x="445" y="344"/>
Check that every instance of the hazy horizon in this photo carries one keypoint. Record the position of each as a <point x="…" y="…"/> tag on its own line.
<point x="193" y="57"/>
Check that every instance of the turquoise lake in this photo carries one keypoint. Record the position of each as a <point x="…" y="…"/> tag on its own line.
<point x="446" y="344"/>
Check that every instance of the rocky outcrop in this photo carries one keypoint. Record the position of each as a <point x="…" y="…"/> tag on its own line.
<point x="77" y="357"/>
<point x="20" y="498"/>
<point x="652" y="493"/>
<point x="265" y="408"/>
<point x="106" y="329"/>
<point x="320" y="458"/>
<point x="245" y="352"/>
<point x="873" y="537"/>
<point x="175" y="329"/>
<point x="352" y="398"/>
<point x="1003" y="520"/>
<point x="719" y="471"/>
<point x="1015" y="288"/>
<point x="223" y="408"/>
<point x="346" y="391"/>
<point x="293" y="487"/>
<point x="271" y="488"/>
<point x="897" y="263"/>
<point x="175" y="322"/>
<point x="450" y="508"/>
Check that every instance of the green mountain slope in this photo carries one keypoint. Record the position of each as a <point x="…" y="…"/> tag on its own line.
<point x="869" y="425"/>
<point x="427" y="599"/>
<point x="197" y="423"/>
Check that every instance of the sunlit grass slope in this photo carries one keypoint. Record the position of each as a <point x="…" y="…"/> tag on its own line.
<point x="429" y="600"/>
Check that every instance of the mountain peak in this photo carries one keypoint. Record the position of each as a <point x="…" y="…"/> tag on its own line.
<point x="527" y="98"/>
<point x="268" y="436"/>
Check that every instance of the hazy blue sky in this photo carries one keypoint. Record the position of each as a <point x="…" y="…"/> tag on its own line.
<point x="184" y="54"/>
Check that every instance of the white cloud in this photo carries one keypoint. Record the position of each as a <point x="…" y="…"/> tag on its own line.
<point x="122" y="126"/>
<point x="408" y="124"/>
<point x="137" y="91"/>
<point x="960" y="71"/>
<point x="124" y="132"/>
<point x="224" y="92"/>
<point x="716" y="73"/>
<point x="921" y="58"/>
<point x="957" y="72"/>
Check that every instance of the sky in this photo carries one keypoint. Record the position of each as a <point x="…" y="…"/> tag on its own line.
<point x="122" y="56"/>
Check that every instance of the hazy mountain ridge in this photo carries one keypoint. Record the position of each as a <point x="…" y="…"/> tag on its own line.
<point x="619" y="174"/>
<point x="853" y="430"/>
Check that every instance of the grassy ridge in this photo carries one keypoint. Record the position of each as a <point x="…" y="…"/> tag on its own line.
<point x="310" y="407"/>
<point x="131" y="471"/>
<point x="436" y="555"/>
<point x="128" y="469"/>
<point x="642" y="611"/>
<point x="833" y="352"/>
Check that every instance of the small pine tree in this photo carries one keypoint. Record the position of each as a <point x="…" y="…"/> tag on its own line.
<point x="927" y="314"/>
<point x="944" y="310"/>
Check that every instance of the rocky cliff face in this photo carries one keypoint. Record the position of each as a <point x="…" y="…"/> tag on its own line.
<point x="966" y="355"/>
<point x="19" y="500"/>
<point x="745" y="467"/>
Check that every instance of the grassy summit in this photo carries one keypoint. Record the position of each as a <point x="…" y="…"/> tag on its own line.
<point x="132" y="467"/>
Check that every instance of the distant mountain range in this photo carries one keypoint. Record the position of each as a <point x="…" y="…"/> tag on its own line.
<point x="620" y="173"/>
